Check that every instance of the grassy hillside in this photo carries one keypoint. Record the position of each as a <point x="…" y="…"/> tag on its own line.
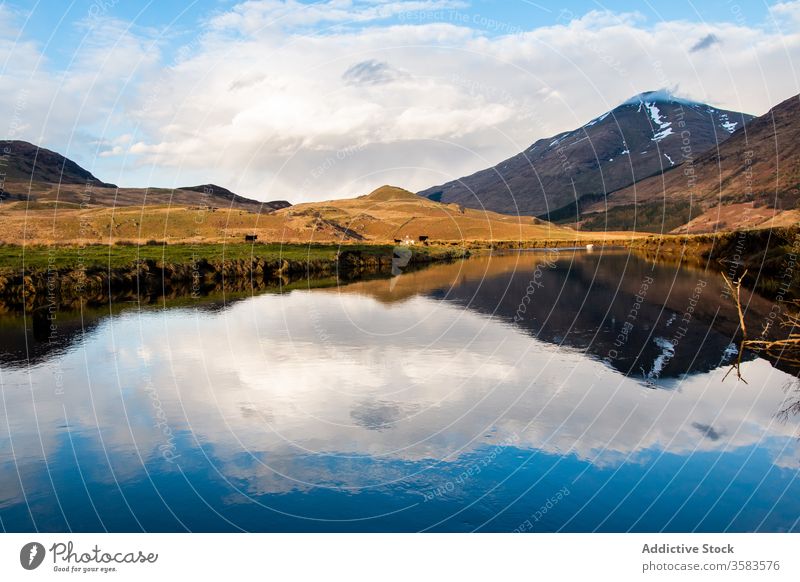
<point x="380" y="217"/>
<point x="391" y="213"/>
<point x="92" y="195"/>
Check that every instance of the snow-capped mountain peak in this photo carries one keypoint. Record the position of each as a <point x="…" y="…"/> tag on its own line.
<point x="647" y="134"/>
<point x="658" y="96"/>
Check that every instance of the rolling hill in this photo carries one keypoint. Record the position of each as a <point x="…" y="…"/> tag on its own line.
<point x="47" y="199"/>
<point x="557" y="177"/>
<point x="390" y="213"/>
<point x="383" y="216"/>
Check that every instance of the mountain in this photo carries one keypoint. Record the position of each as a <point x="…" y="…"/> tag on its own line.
<point x="218" y="192"/>
<point x="752" y="180"/>
<point x="556" y="177"/>
<point x="33" y="174"/>
<point x="20" y="160"/>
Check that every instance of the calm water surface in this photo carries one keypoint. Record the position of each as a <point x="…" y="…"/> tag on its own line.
<point x="576" y="392"/>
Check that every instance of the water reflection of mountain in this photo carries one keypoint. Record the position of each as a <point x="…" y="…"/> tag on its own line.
<point x="351" y="406"/>
<point x="28" y="339"/>
<point x="581" y="301"/>
<point x="644" y="320"/>
<point x="31" y="338"/>
<point x="631" y="315"/>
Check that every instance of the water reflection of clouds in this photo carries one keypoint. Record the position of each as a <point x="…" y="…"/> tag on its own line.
<point x="254" y="387"/>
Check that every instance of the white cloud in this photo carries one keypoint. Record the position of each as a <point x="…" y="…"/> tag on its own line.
<point x="786" y="12"/>
<point x="72" y="109"/>
<point x="269" y="91"/>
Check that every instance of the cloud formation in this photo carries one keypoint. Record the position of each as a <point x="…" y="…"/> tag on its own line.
<point x="401" y="92"/>
<point x="370" y="72"/>
<point x="707" y="41"/>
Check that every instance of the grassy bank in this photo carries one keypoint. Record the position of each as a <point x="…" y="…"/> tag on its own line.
<point x="766" y="257"/>
<point x="117" y="255"/>
<point x="510" y="245"/>
<point x="32" y="275"/>
<point x="114" y="256"/>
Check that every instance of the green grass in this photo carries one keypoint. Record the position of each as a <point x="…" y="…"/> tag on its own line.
<point x="119" y="255"/>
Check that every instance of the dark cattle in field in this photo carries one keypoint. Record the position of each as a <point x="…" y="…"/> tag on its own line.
<point x="250" y="237"/>
<point x="423" y="238"/>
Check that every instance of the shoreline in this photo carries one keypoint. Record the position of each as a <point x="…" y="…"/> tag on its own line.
<point x="38" y="274"/>
<point x="67" y="275"/>
<point x="765" y="259"/>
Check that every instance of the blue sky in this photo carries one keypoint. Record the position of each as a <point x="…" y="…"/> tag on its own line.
<point x="55" y="23"/>
<point x="311" y="100"/>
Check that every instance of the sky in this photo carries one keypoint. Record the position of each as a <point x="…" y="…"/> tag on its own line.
<point x="301" y="100"/>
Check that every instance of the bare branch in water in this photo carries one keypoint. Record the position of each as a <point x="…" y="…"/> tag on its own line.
<point x="784" y="350"/>
<point x="792" y="389"/>
<point x="736" y="293"/>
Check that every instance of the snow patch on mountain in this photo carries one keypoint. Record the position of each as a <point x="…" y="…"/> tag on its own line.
<point x="598" y="119"/>
<point x="667" y="353"/>
<point x="557" y="139"/>
<point x="655" y="113"/>
<point x="659" y="135"/>
<point x="664" y="127"/>
<point x="730" y="126"/>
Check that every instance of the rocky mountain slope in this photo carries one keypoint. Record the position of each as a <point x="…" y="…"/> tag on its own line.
<point x="752" y="180"/>
<point x="557" y="177"/>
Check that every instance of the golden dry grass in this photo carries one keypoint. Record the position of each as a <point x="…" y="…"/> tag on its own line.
<point x="739" y="216"/>
<point x="380" y="217"/>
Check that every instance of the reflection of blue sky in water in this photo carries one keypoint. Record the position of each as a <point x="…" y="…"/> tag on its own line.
<point x="309" y="400"/>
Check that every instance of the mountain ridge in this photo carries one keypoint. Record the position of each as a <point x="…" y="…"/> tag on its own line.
<point x="22" y="160"/>
<point x="750" y="180"/>
<point x="32" y="173"/>
<point x="555" y="177"/>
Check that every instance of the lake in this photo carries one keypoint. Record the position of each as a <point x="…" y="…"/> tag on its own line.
<point x="534" y="391"/>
